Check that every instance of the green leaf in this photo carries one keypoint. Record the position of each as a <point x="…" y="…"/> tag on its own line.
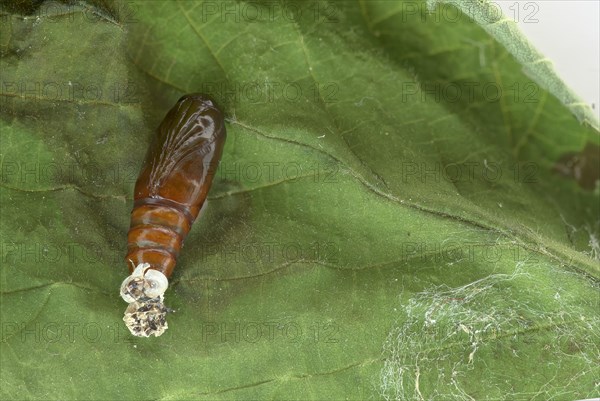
<point x="400" y="211"/>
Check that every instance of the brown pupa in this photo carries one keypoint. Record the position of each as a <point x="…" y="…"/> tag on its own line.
<point x="170" y="191"/>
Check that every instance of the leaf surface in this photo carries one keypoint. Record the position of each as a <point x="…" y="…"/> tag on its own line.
<point x="398" y="212"/>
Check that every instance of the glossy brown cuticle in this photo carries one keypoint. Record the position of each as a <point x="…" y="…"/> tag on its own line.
<point x="174" y="182"/>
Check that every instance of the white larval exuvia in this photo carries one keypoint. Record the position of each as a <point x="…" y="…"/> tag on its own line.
<point x="144" y="291"/>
